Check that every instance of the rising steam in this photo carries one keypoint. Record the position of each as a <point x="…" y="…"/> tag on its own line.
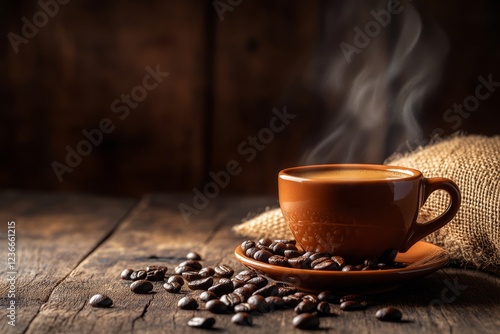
<point x="373" y="101"/>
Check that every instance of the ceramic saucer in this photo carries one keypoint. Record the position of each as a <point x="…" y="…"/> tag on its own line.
<point x="422" y="259"/>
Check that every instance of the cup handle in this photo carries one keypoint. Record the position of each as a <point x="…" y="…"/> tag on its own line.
<point x="421" y="230"/>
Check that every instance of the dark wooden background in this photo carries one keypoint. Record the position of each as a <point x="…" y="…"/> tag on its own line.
<point x="226" y="76"/>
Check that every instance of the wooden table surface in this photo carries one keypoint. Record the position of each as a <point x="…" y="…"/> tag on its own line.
<point x="69" y="247"/>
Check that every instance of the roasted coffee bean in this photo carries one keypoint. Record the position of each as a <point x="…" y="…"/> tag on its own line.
<point x="382" y="266"/>
<point x="291" y="253"/>
<point x="100" y="300"/>
<point x="259" y="302"/>
<point x="251" y="286"/>
<point x="285" y="291"/>
<point x="278" y="260"/>
<point x="388" y="256"/>
<point x="300" y="294"/>
<point x="359" y="266"/>
<point x="286" y="241"/>
<point x="275" y="302"/>
<point x="193" y="256"/>
<point x="200" y="322"/>
<point x="268" y="290"/>
<point x="245" y="275"/>
<point x="319" y="255"/>
<point x="312" y="298"/>
<point x="205" y="296"/>
<point x="196" y="265"/>
<point x="181" y="269"/>
<point x="155" y="275"/>
<point x="141" y="286"/>
<point x="358" y="298"/>
<point x="352" y="305"/>
<point x="291" y="247"/>
<point x="216" y="306"/>
<point x="242" y="319"/>
<point x="328" y="296"/>
<point x="279" y="248"/>
<point x="231" y="299"/>
<point x="265" y="242"/>
<point x="389" y="314"/>
<point x="247" y="244"/>
<point x="173" y="287"/>
<point x="259" y="281"/>
<point x="319" y="260"/>
<point x="244" y="307"/>
<point x="305" y="306"/>
<point x="349" y="268"/>
<point x="138" y="274"/>
<point x="237" y="283"/>
<point x="399" y="265"/>
<point x="301" y="262"/>
<point x="307" y="254"/>
<point x="306" y="321"/>
<point x="187" y="303"/>
<point x="372" y="263"/>
<point x="201" y="284"/>
<point x="243" y="292"/>
<point x="222" y="288"/>
<point x="224" y="270"/>
<point x="292" y="301"/>
<point x="339" y="261"/>
<point x="154" y="267"/>
<point x="177" y="279"/>
<point x="251" y="252"/>
<point x="126" y="273"/>
<point x="262" y="255"/>
<point x="191" y="276"/>
<point x="367" y="268"/>
<point x="327" y="264"/>
<point x="323" y="309"/>
<point x="206" y="272"/>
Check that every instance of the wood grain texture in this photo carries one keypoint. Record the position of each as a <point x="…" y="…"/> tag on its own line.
<point x="54" y="233"/>
<point x="156" y="233"/>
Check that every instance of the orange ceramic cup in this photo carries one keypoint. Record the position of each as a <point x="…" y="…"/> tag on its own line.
<point x="360" y="211"/>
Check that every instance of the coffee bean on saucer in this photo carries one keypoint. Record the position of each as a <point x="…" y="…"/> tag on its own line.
<point x="242" y="319"/>
<point x="126" y="273"/>
<point x="349" y="268"/>
<point x="306" y="321"/>
<point x="201" y="284"/>
<point x="172" y="287"/>
<point x="327" y="264"/>
<point x="251" y="252"/>
<point x="265" y="242"/>
<point x="389" y="314"/>
<point x="138" y="275"/>
<point x="319" y="255"/>
<point x="352" y="305"/>
<point x="262" y="255"/>
<point x="100" y="300"/>
<point x="216" y="306"/>
<point x="305" y="306"/>
<point x="187" y="303"/>
<point x="193" y="256"/>
<point x="223" y="288"/>
<point x="382" y="266"/>
<point x="308" y="254"/>
<point x="200" y="322"/>
<point x="196" y="265"/>
<point x="205" y="296"/>
<point x="246" y="245"/>
<point x="279" y="248"/>
<point x="371" y="263"/>
<point x="359" y="266"/>
<point x="388" y="256"/>
<point x="323" y="309"/>
<point x="224" y="270"/>
<point x="301" y="262"/>
<point x="141" y="286"/>
<point x="339" y="261"/>
<point x="177" y="279"/>
<point x="290" y="253"/>
<point x="278" y="260"/>
<point x="286" y="241"/>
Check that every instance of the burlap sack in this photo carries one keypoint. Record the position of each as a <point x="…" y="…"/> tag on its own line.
<point x="472" y="238"/>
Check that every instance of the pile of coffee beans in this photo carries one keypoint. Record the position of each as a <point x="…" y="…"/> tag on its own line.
<point x="220" y="291"/>
<point x="286" y="254"/>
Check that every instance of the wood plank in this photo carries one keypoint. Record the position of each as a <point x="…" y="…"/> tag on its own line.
<point x="54" y="233"/>
<point x="156" y="233"/>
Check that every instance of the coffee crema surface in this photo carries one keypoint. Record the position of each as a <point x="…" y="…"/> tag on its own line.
<point x="351" y="174"/>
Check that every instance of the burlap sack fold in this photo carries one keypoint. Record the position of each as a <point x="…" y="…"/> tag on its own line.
<point x="472" y="238"/>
